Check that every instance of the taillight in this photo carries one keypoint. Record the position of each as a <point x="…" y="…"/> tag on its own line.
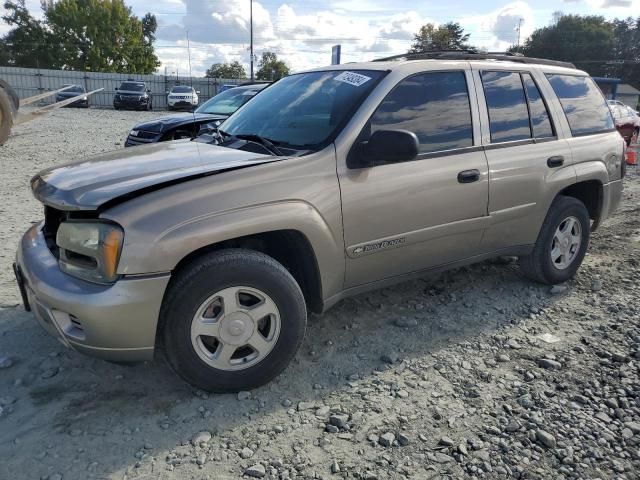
<point x="623" y="168"/>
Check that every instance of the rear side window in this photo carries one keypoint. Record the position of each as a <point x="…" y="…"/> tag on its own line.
<point x="583" y="103"/>
<point x="435" y="106"/>
<point x="507" y="105"/>
<point x="540" y="120"/>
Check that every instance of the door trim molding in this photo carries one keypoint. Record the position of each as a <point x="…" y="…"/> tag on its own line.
<point x="417" y="236"/>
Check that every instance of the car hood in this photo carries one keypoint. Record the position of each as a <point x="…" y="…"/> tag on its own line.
<point x="91" y="183"/>
<point x="163" y="124"/>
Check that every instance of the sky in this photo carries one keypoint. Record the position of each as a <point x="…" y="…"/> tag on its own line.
<point x="301" y="32"/>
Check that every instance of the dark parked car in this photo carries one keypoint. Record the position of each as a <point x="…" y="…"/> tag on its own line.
<point x="73" y="91"/>
<point x="133" y="95"/>
<point x="186" y="125"/>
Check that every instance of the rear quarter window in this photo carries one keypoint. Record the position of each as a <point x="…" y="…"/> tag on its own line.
<point x="583" y="103"/>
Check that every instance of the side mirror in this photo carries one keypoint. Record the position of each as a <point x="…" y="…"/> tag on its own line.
<point x="197" y="92"/>
<point x="384" y="146"/>
<point x="148" y="90"/>
<point x="116" y="89"/>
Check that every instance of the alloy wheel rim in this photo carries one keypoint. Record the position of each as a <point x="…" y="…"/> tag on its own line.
<point x="566" y="242"/>
<point x="235" y="328"/>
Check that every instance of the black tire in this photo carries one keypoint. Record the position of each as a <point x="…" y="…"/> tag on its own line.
<point x="6" y="116"/>
<point x="538" y="265"/>
<point x="209" y="274"/>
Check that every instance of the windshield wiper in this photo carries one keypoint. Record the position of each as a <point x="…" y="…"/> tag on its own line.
<point x="265" y="142"/>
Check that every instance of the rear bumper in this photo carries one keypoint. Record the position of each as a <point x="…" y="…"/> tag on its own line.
<point x="611" y="196"/>
<point x="115" y="322"/>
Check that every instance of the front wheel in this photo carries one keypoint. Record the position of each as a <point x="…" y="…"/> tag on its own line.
<point x="232" y="320"/>
<point x="561" y="244"/>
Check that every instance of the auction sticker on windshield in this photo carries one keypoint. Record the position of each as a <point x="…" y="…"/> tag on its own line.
<point x="352" y="78"/>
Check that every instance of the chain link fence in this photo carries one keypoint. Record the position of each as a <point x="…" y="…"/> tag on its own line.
<point x="32" y="81"/>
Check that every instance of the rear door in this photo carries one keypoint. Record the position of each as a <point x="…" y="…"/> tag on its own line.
<point x="525" y="152"/>
<point x="406" y="217"/>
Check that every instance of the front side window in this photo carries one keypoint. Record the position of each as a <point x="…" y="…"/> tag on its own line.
<point x="507" y="105"/>
<point x="583" y="103"/>
<point x="540" y="119"/>
<point x="435" y="106"/>
<point x="304" y="110"/>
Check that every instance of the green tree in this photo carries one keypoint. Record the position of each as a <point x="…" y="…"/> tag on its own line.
<point x="29" y="43"/>
<point x="270" y="68"/>
<point x="96" y="35"/>
<point x="449" y="36"/>
<point x="586" y="41"/>
<point x="226" y="70"/>
<point x="626" y="51"/>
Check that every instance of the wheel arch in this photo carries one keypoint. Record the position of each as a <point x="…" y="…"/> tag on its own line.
<point x="289" y="247"/>
<point x="591" y="194"/>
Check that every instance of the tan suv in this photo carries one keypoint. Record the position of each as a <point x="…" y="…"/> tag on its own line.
<point x="326" y="184"/>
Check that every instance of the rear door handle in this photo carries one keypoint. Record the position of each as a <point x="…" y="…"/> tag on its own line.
<point x="557" y="161"/>
<point x="469" y="176"/>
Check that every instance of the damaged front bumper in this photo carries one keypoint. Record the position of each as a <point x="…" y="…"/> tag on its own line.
<point x="115" y="322"/>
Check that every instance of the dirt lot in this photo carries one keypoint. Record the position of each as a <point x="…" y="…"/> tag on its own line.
<point x="475" y="373"/>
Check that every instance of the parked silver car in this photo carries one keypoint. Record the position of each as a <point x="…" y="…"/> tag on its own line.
<point x="329" y="183"/>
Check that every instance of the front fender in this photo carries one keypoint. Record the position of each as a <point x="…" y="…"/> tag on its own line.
<point x="170" y="246"/>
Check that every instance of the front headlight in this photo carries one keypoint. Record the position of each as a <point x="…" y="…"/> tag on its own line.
<point x="90" y="250"/>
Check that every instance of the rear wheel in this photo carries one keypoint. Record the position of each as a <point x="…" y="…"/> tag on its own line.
<point x="562" y="243"/>
<point x="6" y="116"/>
<point x="232" y="320"/>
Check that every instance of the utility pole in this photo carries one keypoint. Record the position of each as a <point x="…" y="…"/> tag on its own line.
<point x="519" y="27"/>
<point x="251" y="34"/>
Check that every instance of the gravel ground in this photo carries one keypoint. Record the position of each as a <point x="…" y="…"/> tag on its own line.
<point x="475" y="373"/>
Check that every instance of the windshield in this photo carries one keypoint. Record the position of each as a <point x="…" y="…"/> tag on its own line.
<point x="132" y="87"/>
<point x="181" y="90"/>
<point x="303" y="110"/>
<point x="229" y="101"/>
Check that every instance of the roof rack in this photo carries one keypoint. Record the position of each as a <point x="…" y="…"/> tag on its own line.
<point x="475" y="55"/>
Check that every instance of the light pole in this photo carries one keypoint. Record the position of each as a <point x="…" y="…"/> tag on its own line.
<point x="251" y="35"/>
<point x="519" y="27"/>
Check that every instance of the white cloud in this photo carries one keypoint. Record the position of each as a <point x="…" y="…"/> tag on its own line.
<point x="498" y="30"/>
<point x="623" y="7"/>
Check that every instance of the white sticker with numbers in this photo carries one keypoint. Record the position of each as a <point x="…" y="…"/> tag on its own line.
<point x="352" y="78"/>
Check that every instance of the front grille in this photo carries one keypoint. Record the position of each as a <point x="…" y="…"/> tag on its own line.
<point x="143" y="134"/>
<point x="52" y="220"/>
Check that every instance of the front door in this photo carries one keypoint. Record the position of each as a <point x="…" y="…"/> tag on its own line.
<point x="405" y="217"/>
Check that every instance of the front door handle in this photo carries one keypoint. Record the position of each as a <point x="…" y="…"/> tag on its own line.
<point x="469" y="176"/>
<point x="557" y="161"/>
